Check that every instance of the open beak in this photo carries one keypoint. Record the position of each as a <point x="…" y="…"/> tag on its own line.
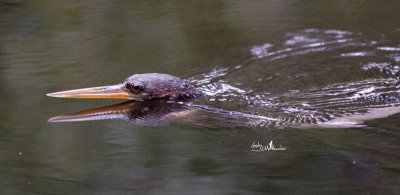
<point x="104" y="92"/>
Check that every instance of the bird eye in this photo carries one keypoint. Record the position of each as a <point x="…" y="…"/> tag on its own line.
<point x="136" y="87"/>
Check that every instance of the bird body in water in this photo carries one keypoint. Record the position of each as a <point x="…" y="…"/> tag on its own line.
<point x="141" y="88"/>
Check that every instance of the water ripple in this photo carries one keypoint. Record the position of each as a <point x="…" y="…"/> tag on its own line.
<point x="313" y="105"/>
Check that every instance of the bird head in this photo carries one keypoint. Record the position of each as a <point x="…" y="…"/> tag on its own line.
<point x="137" y="87"/>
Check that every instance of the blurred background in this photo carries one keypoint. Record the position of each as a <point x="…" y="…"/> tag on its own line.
<point x="246" y="55"/>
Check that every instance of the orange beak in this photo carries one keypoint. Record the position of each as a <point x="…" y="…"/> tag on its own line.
<point x="104" y="92"/>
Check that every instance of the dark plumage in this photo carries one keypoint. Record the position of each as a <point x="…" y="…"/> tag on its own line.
<point x="157" y="85"/>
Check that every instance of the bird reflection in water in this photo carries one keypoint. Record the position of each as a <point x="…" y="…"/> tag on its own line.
<point x="151" y="112"/>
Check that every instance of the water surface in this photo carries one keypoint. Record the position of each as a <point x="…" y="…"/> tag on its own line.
<point x="302" y="62"/>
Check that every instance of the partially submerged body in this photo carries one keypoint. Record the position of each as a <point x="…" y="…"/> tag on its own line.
<point x="161" y="98"/>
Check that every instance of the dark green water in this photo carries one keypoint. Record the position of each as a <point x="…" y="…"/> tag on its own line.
<point x="300" y="61"/>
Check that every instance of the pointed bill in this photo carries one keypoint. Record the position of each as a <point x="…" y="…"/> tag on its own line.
<point x="104" y="92"/>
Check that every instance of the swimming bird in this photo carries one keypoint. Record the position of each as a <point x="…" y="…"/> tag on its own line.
<point x="147" y="94"/>
<point x="145" y="87"/>
<point x="138" y="87"/>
